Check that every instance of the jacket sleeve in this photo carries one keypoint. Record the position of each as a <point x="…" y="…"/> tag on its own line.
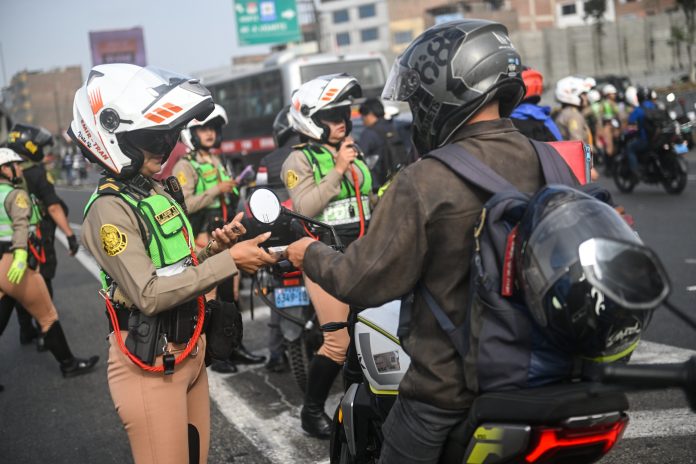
<point x="386" y="263"/>
<point x="111" y="233"/>
<point x="187" y="177"/>
<point x="308" y="197"/>
<point x="18" y="207"/>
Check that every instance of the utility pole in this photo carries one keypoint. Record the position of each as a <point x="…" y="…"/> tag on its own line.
<point x="2" y="62"/>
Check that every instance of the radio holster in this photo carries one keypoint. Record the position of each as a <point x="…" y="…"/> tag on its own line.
<point x="224" y="329"/>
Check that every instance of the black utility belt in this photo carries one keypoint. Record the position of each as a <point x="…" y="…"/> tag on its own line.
<point x="148" y="334"/>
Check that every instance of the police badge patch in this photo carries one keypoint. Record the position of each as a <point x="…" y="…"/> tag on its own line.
<point x="113" y="240"/>
<point x="291" y="179"/>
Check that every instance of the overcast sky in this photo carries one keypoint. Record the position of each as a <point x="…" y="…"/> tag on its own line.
<point x="183" y="36"/>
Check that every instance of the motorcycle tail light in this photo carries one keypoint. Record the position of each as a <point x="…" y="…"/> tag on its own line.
<point x="561" y="445"/>
<point x="291" y="282"/>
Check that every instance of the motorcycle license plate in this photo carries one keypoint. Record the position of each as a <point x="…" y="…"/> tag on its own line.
<point x="288" y="297"/>
<point x="681" y="148"/>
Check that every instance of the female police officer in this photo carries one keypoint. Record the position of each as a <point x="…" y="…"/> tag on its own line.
<point x="17" y="278"/>
<point x="127" y="119"/>
<point x="325" y="179"/>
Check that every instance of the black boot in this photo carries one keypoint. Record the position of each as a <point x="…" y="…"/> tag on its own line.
<point x="6" y="307"/>
<point x="320" y="377"/>
<point x="27" y="331"/>
<point x="242" y="356"/>
<point x="70" y="366"/>
<point x="223" y="367"/>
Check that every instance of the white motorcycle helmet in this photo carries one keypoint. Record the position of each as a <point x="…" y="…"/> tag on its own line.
<point x="631" y="96"/>
<point x="7" y="156"/>
<point x="594" y="96"/>
<point x="216" y="119"/>
<point x="325" y="98"/>
<point x="608" y="90"/>
<point x="569" y="90"/>
<point x="123" y="109"/>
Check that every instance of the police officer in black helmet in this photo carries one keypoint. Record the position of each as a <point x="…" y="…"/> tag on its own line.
<point x="30" y="142"/>
<point x="461" y="81"/>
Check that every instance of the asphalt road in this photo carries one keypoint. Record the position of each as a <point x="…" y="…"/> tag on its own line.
<point x="255" y="415"/>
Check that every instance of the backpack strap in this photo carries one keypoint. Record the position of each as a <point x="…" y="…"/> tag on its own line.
<point x="553" y="165"/>
<point x="455" y="334"/>
<point x="470" y="168"/>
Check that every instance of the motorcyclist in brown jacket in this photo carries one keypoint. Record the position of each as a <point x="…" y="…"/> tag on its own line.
<point x="422" y="230"/>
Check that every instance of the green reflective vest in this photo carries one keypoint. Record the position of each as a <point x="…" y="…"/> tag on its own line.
<point x="6" y="221"/>
<point x="166" y="244"/>
<point x="208" y="177"/>
<point x="342" y="209"/>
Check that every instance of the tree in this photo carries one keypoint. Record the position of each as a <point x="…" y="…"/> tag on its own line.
<point x="595" y="10"/>
<point x="689" y="9"/>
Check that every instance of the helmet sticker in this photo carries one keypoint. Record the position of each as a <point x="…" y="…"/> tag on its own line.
<point x="598" y="296"/>
<point x="619" y="336"/>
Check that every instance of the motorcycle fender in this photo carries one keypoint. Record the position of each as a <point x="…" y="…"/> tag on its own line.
<point x="497" y="443"/>
<point x="289" y="329"/>
<point x="347" y="406"/>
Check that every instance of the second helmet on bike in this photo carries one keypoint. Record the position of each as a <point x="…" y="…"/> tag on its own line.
<point x="587" y="279"/>
<point x="29" y="141"/>
<point x="282" y="130"/>
<point x="216" y="119"/>
<point x="325" y="98"/>
<point x="451" y="71"/>
<point x="534" y="83"/>
<point x="123" y="110"/>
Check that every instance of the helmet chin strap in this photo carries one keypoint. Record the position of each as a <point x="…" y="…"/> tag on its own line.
<point x="14" y="179"/>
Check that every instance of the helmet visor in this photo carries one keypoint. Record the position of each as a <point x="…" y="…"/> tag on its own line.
<point x="553" y="245"/>
<point x="157" y="142"/>
<point x="336" y="114"/>
<point x="402" y="83"/>
<point x="629" y="273"/>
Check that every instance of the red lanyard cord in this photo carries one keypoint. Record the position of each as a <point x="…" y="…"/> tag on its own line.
<point x="40" y="257"/>
<point x="189" y="346"/>
<point x="361" y="213"/>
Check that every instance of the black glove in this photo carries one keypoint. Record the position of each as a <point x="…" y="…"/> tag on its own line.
<point x="72" y="244"/>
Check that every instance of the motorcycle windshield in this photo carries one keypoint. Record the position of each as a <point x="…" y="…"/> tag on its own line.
<point x="630" y="274"/>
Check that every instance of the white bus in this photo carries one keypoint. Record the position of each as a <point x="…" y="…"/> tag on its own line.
<point x="253" y="99"/>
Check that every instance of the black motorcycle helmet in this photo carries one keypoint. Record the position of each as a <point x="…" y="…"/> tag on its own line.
<point x="282" y="132"/>
<point x="586" y="277"/>
<point x="450" y="72"/>
<point x="29" y="141"/>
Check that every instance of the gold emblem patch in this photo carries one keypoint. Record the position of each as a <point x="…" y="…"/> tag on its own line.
<point x="182" y="178"/>
<point x="21" y="201"/>
<point x="113" y="240"/>
<point x="167" y="215"/>
<point x="291" y="179"/>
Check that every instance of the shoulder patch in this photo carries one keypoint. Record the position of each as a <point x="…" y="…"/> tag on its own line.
<point x="21" y="201"/>
<point x="113" y="240"/>
<point x="182" y="178"/>
<point x="291" y="179"/>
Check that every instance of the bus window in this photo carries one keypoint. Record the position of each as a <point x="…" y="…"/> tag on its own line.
<point x="251" y="102"/>
<point x="369" y="73"/>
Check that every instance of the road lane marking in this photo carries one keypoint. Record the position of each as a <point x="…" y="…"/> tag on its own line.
<point x="661" y="423"/>
<point x="691" y="288"/>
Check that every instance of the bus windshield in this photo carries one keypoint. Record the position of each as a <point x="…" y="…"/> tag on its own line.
<point x="369" y="73"/>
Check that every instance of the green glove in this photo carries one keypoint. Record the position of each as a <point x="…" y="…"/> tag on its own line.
<point x="19" y="266"/>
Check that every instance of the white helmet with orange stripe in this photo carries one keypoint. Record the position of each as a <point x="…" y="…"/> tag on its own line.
<point x="216" y="120"/>
<point x="325" y="98"/>
<point x="123" y="110"/>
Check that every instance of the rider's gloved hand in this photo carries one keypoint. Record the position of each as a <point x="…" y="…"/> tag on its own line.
<point x="73" y="244"/>
<point x="18" y="267"/>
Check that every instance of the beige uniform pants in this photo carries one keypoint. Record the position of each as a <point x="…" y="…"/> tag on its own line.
<point x="156" y="409"/>
<point x="31" y="292"/>
<point x="329" y="309"/>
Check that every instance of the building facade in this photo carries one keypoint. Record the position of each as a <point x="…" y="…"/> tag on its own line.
<point x="43" y="98"/>
<point x="353" y="25"/>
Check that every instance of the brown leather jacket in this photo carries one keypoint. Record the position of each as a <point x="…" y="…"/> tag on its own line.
<point x="422" y="230"/>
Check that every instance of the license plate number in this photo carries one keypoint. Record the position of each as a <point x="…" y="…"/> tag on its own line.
<point x="681" y="148"/>
<point x="288" y="297"/>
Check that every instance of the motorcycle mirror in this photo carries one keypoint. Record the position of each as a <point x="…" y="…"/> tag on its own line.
<point x="264" y="205"/>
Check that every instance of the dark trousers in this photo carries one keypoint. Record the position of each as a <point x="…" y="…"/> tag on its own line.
<point x="415" y="432"/>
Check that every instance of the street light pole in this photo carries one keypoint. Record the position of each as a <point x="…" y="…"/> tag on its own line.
<point x="2" y="62"/>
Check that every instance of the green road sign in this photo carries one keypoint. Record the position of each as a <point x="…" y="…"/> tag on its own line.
<point x="266" y="21"/>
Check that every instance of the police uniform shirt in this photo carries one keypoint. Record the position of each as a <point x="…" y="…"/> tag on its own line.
<point x="18" y="207"/>
<point x="188" y="177"/>
<point x="572" y="125"/>
<point x="111" y="233"/>
<point x="39" y="185"/>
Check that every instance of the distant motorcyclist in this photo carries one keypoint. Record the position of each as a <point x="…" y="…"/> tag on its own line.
<point x="571" y="92"/>
<point x="416" y="235"/>
<point x="531" y="118"/>
<point x="640" y="145"/>
<point x="610" y="119"/>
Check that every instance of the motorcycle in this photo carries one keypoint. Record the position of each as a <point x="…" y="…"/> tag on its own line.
<point x="570" y="422"/>
<point x="290" y="301"/>
<point x="663" y="164"/>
